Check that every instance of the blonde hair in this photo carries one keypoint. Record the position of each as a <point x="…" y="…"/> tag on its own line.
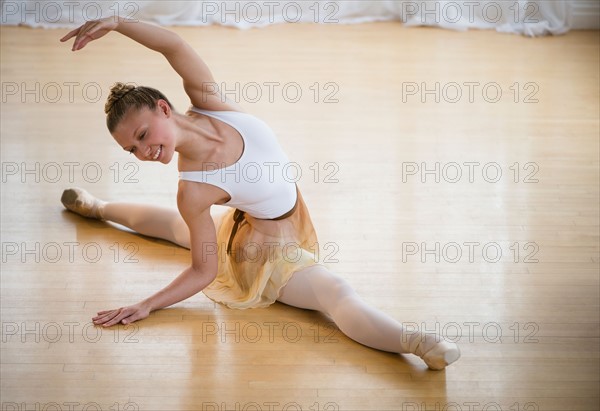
<point x="124" y="97"/>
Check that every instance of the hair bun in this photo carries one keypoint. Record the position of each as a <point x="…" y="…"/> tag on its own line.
<point x="125" y="97"/>
<point x="117" y="91"/>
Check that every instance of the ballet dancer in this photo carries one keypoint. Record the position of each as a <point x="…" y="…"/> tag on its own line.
<point x="241" y="259"/>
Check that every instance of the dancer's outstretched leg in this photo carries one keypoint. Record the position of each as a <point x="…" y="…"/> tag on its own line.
<point x="153" y="221"/>
<point x="317" y="288"/>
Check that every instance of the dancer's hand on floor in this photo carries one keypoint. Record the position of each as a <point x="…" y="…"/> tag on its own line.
<point x="91" y="30"/>
<point x="123" y="315"/>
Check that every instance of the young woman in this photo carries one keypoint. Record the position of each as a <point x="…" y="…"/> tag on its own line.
<point x="243" y="259"/>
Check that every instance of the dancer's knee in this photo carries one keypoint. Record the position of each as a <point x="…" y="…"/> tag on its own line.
<point x="341" y="289"/>
<point x="317" y="288"/>
<point x="335" y="291"/>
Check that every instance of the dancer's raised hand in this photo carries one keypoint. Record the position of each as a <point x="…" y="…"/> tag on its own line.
<point x="91" y="30"/>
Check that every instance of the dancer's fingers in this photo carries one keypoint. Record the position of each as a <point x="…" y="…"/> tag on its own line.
<point x="117" y="319"/>
<point x="102" y="319"/>
<point x="114" y="319"/>
<point x="123" y="315"/>
<point x="70" y="34"/>
<point x="84" y="37"/>
<point x="93" y="31"/>
<point x="103" y="312"/>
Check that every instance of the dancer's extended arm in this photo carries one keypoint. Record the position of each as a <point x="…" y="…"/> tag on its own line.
<point x="198" y="80"/>
<point x="194" y="206"/>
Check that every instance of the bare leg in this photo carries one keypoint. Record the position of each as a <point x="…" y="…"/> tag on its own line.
<point x="153" y="221"/>
<point x="317" y="288"/>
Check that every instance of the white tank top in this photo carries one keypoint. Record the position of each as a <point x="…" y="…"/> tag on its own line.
<point x="258" y="182"/>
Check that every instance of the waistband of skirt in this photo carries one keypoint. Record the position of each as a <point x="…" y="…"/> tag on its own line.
<point x="238" y="217"/>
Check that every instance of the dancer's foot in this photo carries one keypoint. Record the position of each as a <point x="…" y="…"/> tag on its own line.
<point x="441" y="355"/>
<point x="83" y="203"/>
<point x="434" y="350"/>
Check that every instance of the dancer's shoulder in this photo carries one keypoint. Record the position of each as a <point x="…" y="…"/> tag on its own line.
<point x="193" y="196"/>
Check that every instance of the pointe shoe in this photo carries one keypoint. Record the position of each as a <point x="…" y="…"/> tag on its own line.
<point x="441" y="355"/>
<point x="83" y="203"/>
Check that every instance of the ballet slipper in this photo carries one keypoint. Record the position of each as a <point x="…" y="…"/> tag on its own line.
<point x="83" y="203"/>
<point x="440" y="355"/>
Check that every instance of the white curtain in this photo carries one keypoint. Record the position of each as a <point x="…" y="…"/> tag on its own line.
<point x="527" y="17"/>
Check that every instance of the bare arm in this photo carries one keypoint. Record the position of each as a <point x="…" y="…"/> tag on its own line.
<point x="194" y="206"/>
<point x="202" y="271"/>
<point x="195" y="210"/>
<point x="198" y="80"/>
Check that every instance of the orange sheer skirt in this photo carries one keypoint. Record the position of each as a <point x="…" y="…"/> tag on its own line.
<point x="264" y="255"/>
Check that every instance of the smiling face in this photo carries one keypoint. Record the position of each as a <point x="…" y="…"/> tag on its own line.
<point x="148" y="134"/>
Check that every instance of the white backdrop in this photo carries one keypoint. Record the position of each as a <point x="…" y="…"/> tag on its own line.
<point x="528" y="17"/>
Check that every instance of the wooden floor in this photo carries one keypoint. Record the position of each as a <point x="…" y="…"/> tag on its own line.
<point x="516" y="281"/>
